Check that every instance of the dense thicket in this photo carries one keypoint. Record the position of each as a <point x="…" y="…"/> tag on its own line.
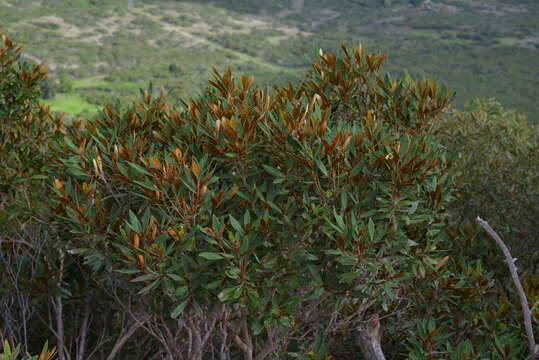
<point x="45" y="293"/>
<point x="499" y="178"/>
<point x="248" y="225"/>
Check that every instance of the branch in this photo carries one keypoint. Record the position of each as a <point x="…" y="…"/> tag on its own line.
<point x="369" y="339"/>
<point x="123" y="338"/>
<point x="272" y="344"/>
<point x="526" y="313"/>
<point x="84" y="330"/>
<point x="246" y="345"/>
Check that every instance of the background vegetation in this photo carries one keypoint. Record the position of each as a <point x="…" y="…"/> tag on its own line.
<point x="105" y="47"/>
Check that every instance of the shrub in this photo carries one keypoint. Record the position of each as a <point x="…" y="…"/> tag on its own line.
<point x="499" y="178"/>
<point x="25" y="128"/>
<point x="45" y="292"/>
<point x="252" y="222"/>
<point x="495" y="151"/>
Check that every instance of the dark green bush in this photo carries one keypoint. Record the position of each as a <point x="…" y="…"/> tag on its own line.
<point x="499" y="171"/>
<point x="26" y="128"/>
<point x="45" y="292"/>
<point x="262" y="217"/>
<point x="499" y="178"/>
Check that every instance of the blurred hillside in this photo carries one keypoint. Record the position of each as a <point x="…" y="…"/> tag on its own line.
<point x="97" y="50"/>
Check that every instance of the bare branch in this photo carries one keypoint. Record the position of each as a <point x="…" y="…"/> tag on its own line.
<point x="84" y="330"/>
<point x="123" y="338"/>
<point x="520" y="290"/>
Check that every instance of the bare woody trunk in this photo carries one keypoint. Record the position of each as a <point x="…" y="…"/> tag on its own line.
<point x="84" y="327"/>
<point x="63" y="353"/>
<point x="369" y="340"/>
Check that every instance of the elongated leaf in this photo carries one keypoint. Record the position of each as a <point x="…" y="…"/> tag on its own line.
<point x="145" y="277"/>
<point x="70" y="144"/>
<point x="340" y="221"/>
<point x="139" y="168"/>
<point x="147" y="185"/>
<point x="149" y="287"/>
<point x="272" y="171"/>
<point x="235" y="224"/>
<point x="229" y="293"/>
<point x="210" y="256"/>
<point x="134" y="223"/>
<point x="127" y="271"/>
<point x="370" y="228"/>
<point x="246" y="218"/>
<point x="181" y="291"/>
<point x="176" y="277"/>
<point x="178" y="309"/>
<point x="321" y="166"/>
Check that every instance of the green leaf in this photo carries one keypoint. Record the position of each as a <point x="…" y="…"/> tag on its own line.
<point x="232" y="272"/>
<point x="7" y="348"/>
<point x="293" y="142"/>
<point x="272" y="171"/>
<point x="127" y="271"/>
<point x="344" y="201"/>
<point x="333" y="252"/>
<point x="235" y="224"/>
<point x="229" y="293"/>
<point x="433" y="184"/>
<point x="370" y="228"/>
<point x="146" y="184"/>
<point x="76" y="171"/>
<point x="335" y="227"/>
<point x="388" y="291"/>
<point x="321" y="166"/>
<point x="246" y="218"/>
<point x="181" y="291"/>
<point x="315" y="294"/>
<point x="78" y="251"/>
<point x="339" y="218"/>
<point x="178" y="309"/>
<point x="176" y="277"/>
<point x="197" y="308"/>
<point x="411" y="243"/>
<point x="45" y="348"/>
<point x="257" y="326"/>
<point x="346" y="278"/>
<point x="70" y="144"/>
<point x="413" y="207"/>
<point x="368" y="213"/>
<point x="149" y="287"/>
<point x="139" y="168"/>
<point x="357" y="169"/>
<point x="39" y="177"/>
<point x="145" y="277"/>
<point x="134" y="223"/>
<point x="213" y="285"/>
<point x="210" y="256"/>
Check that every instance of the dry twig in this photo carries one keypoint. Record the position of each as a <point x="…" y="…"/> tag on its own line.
<point x="526" y="312"/>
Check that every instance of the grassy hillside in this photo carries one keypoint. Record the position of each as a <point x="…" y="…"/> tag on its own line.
<point x="480" y="48"/>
